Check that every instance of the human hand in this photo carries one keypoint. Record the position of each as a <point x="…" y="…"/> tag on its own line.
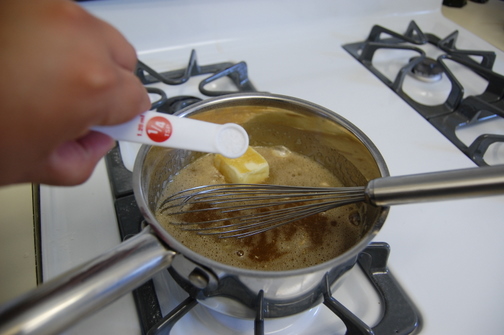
<point x="63" y="71"/>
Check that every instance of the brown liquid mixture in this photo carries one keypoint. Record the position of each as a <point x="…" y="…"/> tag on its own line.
<point x="300" y="244"/>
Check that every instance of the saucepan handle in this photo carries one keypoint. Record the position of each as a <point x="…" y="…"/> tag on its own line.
<point x="436" y="186"/>
<point x="61" y="302"/>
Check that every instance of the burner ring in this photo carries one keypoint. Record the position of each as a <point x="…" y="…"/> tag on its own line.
<point x="427" y="70"/>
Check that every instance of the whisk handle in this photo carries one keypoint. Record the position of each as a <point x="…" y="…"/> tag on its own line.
<point x="436" y="186"/>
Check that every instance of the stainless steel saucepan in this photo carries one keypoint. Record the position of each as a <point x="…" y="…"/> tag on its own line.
<point x="270" y="120"/>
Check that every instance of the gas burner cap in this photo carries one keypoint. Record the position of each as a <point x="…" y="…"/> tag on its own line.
<point x="427" y="70"/>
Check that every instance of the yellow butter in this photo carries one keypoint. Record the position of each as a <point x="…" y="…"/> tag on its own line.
<point x="250" y="168"/>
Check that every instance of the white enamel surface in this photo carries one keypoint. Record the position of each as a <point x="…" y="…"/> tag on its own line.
<point x="446" y="255"/>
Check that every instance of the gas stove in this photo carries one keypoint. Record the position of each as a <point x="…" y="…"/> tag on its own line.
<point x="392" y="309"/>
<point x="298" y="50"/>
<point x="465" y="95"/>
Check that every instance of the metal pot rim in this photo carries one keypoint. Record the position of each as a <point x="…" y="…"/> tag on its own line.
<point x="183" y="250"/>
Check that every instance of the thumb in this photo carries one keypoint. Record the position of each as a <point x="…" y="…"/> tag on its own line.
<point x="73" y="162"/>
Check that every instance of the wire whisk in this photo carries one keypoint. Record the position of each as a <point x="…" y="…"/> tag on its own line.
<point x="242" y="210"/>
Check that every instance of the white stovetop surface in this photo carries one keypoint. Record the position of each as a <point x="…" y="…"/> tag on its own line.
<point x="446" y="255"/>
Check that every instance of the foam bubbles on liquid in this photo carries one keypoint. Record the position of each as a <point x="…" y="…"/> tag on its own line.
<point x="301" y="244"/>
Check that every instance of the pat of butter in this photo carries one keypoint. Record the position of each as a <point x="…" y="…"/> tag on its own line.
<point x="250" y="168"/>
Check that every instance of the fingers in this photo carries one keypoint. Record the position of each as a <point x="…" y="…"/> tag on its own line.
<point x="121" y="51"/>
<point x="131" y="95"/>
<point x="134" y="96"/>
<point x="108" y="90"/>
<point x="122" y="100"/>
<point x="113" y="94"/>
<point x="73" y="162"/>
<point x="80" y="79"/>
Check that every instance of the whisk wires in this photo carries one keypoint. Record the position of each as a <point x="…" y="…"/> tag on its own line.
<point x="242" y="210"/>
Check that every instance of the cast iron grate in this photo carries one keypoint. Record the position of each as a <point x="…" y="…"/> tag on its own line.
<point x="456" y="111"/>
<point x="400" y="316"/>
<point x="237" y="72"/>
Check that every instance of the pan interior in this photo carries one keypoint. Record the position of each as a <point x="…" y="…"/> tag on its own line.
<point x="319" y="135"/>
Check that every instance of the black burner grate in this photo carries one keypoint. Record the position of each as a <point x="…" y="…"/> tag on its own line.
<point x="456" y="111"/>
<point x="237" y="72"/>
<point x="400" y="315"/>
